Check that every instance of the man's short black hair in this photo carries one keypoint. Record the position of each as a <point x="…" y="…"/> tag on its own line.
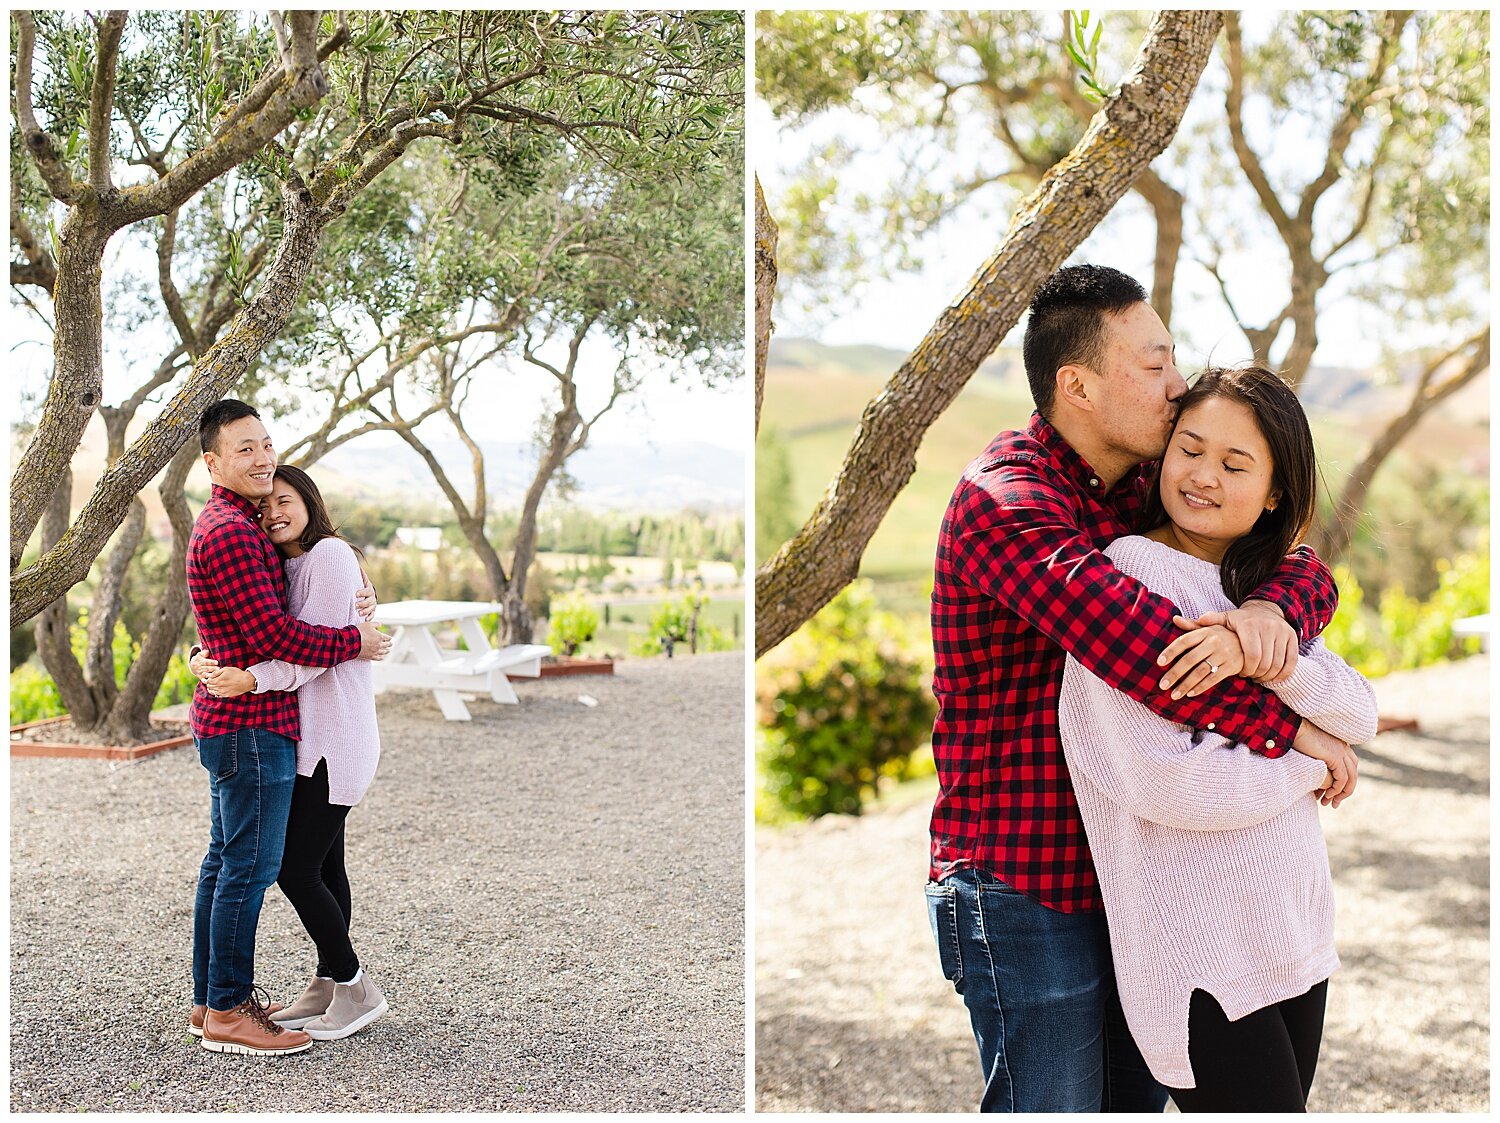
<point x="218" y="415"/>
<point x="1067" y="323"/>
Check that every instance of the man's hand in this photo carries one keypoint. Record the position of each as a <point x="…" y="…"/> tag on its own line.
<point x="1343" y="764"/>
<point x="201" y="665"/>
<point x="364" y="598"/>
<point x="1201" y="659"/>
<point x="1268" y="642"/>
<point x="373" y="643"/>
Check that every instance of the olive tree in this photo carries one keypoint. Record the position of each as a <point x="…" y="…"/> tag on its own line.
<point x="316" y="106"/>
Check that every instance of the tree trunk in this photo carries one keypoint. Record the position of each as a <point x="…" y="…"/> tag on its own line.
<point x="104" y="611"/>
<point x="1131" y="130"/>
<point x="54" y="641"/>
<point x="129" y="718"/>
<point x="1166" y="204"/>
<point x="565" y="425"/>
<point x="221" y="367"/>
<point x="1332" y="538"/>
<point x="77" y="385"/>
<point x="516" y="622"/>
<point x="765" y="290"/>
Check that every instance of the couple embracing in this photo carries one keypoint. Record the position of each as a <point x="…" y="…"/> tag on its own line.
<point x="284" y="722"/>
<point x="1137" y="724"/>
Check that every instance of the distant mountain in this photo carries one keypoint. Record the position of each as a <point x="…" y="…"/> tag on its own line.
<point x="668" y="477"/>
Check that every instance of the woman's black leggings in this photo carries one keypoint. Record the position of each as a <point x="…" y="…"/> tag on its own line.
<point x="1263" y="1062"/>
<point x="312" y="873"/>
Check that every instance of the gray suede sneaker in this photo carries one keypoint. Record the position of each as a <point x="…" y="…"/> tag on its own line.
<point x="310" y="1004"/>
<point x="354" y="1006"/>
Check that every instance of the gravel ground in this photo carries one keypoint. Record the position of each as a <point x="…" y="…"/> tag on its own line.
<point x="852" y="1013"/>
<point x="551" y="896"/>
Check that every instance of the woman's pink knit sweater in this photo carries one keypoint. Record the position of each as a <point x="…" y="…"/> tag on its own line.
<point x="1210" y="857"/>
<point x="337" y="703"/>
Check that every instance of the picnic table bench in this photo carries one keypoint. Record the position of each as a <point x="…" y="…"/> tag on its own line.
<point x="417" y="659"/>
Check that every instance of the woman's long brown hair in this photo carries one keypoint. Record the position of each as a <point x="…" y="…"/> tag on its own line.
<point x="1250" y="561"/>
<point x="319" y="522"/>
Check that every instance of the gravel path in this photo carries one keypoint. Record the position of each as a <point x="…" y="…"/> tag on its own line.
<point x="852" y="1013"/>
<point x="551" y="896"/>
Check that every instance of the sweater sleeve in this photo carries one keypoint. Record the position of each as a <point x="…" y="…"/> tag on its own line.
<point x="1015" y="537"/>
<point x="1330" y="694"/>
<point x="1156" y="769"/>
<point x="332" y="578"/>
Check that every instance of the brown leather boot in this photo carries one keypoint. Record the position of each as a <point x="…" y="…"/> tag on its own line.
<point x="248" y="1028"/>
<point x="195" y="1017"/>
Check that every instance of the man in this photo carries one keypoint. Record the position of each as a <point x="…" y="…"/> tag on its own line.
<point x="248" y="743"/>
<point x="1019" y="583"/>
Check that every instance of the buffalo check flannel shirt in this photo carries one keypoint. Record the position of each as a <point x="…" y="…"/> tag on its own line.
<point x="1019" y="582"/>
<point x="238" y="590"/>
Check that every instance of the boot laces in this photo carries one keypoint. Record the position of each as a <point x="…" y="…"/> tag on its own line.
<point x="258" y="1008"/>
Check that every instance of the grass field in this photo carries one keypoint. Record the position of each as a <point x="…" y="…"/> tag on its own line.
<point x="630" y="620"/>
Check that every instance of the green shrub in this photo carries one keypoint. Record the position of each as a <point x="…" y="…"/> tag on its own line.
<point x="841" y="704"/>
<point x="574" y="622"/>
<point x="33" y="695"/>
<point x="177" y="685"/>
<point x="680" y="623"/>
<point x="1403" y="632"/>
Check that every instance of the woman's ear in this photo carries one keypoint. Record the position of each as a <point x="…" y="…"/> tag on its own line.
<point x="1273" y="499"/>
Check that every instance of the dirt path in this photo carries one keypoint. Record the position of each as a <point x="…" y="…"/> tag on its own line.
<point x="853" y="1015"/>
<point x="551" y="897"/>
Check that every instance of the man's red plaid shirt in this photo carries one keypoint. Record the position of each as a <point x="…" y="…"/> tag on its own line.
<point x="238" y="591"/>
<point x="1019" y="583"/>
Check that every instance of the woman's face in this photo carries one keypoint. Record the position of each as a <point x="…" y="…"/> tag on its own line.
<point x="283" y="516"/>
<point x="1216" y="475"/>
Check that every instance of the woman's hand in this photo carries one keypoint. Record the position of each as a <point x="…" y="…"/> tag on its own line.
<point x="1201" y="659"/>
<point x="1343" y="764"/>
<point x="201" y="665"/>
<point x="229" y="682"/>
<point x="364" y="598"/>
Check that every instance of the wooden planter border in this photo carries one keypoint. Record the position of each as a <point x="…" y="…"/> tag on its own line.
<point x="578" y="667"/>
<point x="58" y="749"/>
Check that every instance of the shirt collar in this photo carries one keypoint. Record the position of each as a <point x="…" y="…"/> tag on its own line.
<point x="237" y="501"/>
<point x="1066" y="457"/>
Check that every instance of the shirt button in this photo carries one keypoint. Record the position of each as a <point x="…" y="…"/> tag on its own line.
<point x="1210" y="725"/>
<point x="1093" y="483"/>
<point x="1270" y="744"/>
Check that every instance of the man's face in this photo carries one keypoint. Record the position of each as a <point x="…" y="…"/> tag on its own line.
<point x="1136" y="391"/>
<point x="243" y="459"/>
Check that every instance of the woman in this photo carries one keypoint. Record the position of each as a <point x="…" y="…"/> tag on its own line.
<point x="1210" y="858"/>
<point x="336" y="757"/>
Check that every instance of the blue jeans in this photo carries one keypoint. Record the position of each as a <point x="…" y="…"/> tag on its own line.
<point x="1040" y="988"/>
<point x="250" y="776"/>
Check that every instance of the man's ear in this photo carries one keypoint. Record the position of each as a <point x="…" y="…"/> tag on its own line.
<point x="1072" y="386"/>
<point x="211" y="462"/>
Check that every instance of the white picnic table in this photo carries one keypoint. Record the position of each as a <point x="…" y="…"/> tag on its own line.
<point x="1474" y="626"/>
<point x="416" y="659"/>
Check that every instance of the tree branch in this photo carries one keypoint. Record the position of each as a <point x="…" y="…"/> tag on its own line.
<point x="42" y="145"/>
<point x="766" y="236"/>
<point x="1129" y="131"/>
<point x="1234" y="103"/>
<point x="231" y="146"/>
<point x="102" y="100"/>
<point x="1357" y="98"/>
